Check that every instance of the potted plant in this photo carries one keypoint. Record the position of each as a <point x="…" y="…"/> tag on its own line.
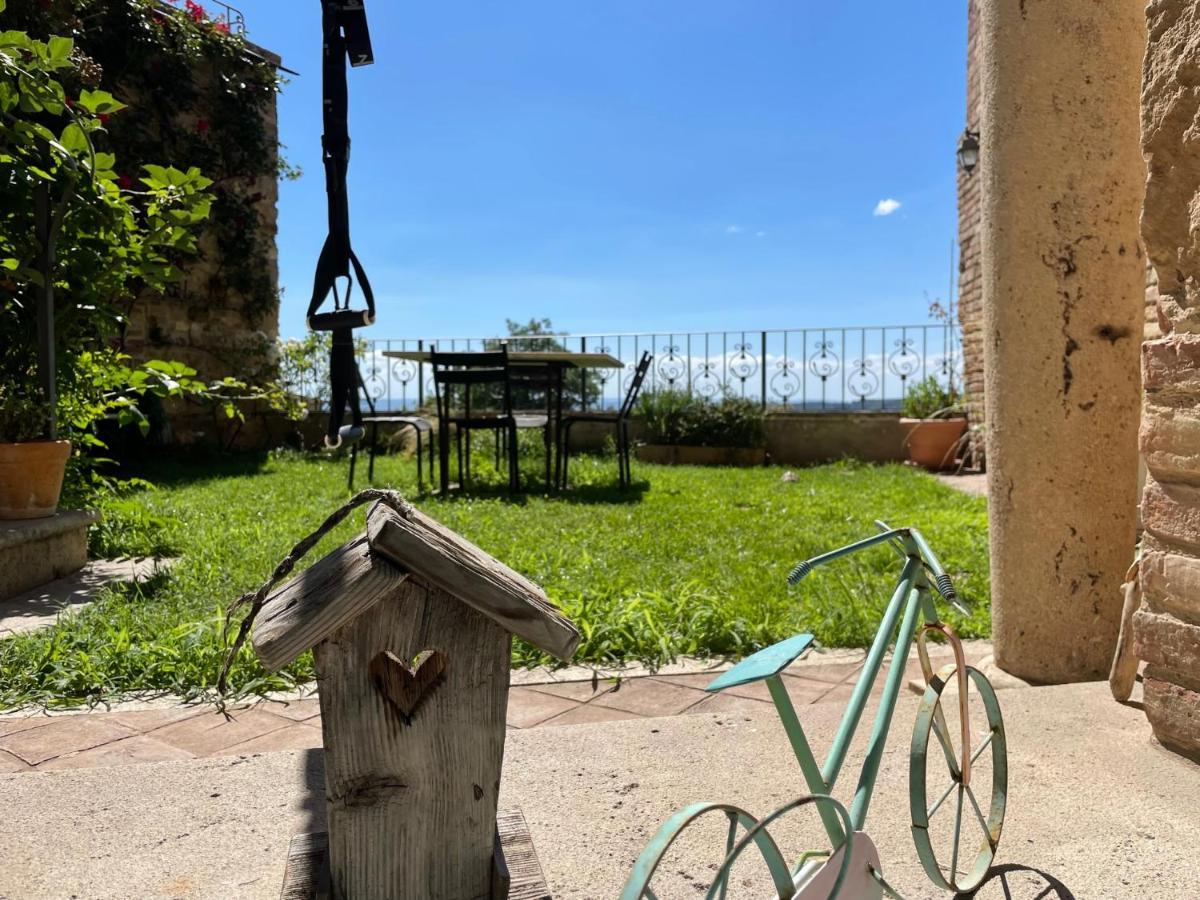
<point x="689" y="430"/>
<point x="78" y="240"/>
<point x="31" y="466"/>
<point x="933" y="415"/>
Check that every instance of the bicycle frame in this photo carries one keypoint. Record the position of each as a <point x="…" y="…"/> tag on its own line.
<point x="911" y="601"/>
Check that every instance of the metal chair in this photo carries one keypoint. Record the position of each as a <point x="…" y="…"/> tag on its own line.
<point x="619" y="420"/>
<point x="455" y="377"/>
<point x="419" y="424"/>
<point x="525" y="384"/>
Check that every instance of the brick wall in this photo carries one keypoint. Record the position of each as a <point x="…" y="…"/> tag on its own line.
<point x="970" y="284"/>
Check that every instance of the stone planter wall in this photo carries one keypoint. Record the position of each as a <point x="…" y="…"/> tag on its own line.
<point x="1167" y="626"/>
<point x="672" y="455"/>
<point x="797" y="439"/>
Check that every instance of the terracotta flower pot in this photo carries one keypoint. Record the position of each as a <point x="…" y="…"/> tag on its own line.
<point x="31" y="478"/>
<point x="931" y="442"/>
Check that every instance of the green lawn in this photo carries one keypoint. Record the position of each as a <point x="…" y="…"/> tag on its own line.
<point x="693" y="561"/>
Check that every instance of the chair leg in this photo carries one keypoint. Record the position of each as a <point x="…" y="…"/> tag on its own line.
<point x="514" y="471"/>
<point x="371" y="453"/>
<point x="444" y="457"/>
<point x="458" y="442"/>
<point x="417" y="432"/>
<point x="564" y="451"/>
<point x="623" y="454"/>
<point x="353" y="460"/>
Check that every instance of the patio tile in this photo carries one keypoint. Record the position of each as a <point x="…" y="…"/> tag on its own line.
<point x="62" y="735"/>
<point x="297" y="710"/>
<point x="582" y="715"/>
<point x="726" y="703"/>
<point x="298" y="736"/>
<point x="833" y="673"/>
<point x="801" y="690"/>
<point x="212" y="733"/>
<point x="10" y="764"/>
<point x="838" y="693"/>
<point x="135" y="749"/>
<point x="13" y="724"/>
<point x="579" y="691"/>
<point x="145" y="721"/>
<point x="650" y="697"/>
<point x="527" y="707"/>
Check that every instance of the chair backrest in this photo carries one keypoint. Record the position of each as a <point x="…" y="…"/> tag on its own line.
<point x="635" y="385"/>
<point x="466" y="370"/>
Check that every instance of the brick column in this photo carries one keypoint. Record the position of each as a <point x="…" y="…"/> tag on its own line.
<point x="1063" y="289"/>
<point x="1167" y="627"/>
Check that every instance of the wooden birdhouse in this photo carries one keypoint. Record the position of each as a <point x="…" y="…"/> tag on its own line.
<point x="411" y="629"/>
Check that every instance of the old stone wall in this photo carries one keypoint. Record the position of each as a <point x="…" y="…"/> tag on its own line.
<point x="222" y="317"/>
<point x="1167" y="627"/>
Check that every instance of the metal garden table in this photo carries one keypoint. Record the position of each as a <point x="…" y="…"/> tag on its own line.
<point x="556" y="362"/>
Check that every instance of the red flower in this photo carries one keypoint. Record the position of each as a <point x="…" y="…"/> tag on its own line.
<point x="125" y="181"/>
<point x="195" y="10"/>
<point x="222" y="26"/>
<point x="202" y="125"/>
<point x="103" y="117"/>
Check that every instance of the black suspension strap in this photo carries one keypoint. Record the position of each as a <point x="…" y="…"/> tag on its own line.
<point x="344" y="25"/>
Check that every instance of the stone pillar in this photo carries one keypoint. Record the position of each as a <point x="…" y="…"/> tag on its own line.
<point x="1167" y="627"/>
<point x="1063" y="287"/>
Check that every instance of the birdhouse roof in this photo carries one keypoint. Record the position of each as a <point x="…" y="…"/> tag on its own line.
<point x="397" y="545"/>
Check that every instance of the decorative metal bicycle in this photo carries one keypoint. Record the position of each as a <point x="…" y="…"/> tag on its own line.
<point x="969" y="757"/>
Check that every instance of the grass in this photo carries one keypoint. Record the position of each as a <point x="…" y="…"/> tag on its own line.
<point x="690" y="562"/>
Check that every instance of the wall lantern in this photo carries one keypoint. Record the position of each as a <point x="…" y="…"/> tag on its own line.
<point x="968" y="150"/>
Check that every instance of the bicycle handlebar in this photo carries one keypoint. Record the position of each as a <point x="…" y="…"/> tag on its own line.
<point x="909" y="543"/>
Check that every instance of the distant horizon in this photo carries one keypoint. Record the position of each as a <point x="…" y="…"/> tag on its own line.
<point x="676" y="167"/>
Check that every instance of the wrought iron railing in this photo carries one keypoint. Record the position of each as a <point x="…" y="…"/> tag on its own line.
<point x="804" y="369"/>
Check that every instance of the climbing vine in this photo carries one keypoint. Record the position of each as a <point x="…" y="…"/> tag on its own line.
<point x="197" y="96"/>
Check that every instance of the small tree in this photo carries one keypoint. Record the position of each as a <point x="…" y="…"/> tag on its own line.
<point x="539" y="335"/>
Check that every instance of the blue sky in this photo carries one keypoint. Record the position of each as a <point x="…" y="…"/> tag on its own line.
<point x="630" y="166"/>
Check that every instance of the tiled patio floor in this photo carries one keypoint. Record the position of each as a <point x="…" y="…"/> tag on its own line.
<point x="89" y="739"/>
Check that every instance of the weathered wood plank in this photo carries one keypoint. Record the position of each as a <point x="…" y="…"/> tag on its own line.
<point x="306" y="876"/>
<point x="425" y="547"/>
<point x="308" y="863"/>
<point x="321" y="599"/>
<point x="412" y="807"/>
<point x="526" y="881"/>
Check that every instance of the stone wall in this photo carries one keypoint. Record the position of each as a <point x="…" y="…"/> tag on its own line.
<point x="970" y="284"/>
<point x="204" y="320"/>
<point x="799" y="439"/>
<point x="1167" y="626"/>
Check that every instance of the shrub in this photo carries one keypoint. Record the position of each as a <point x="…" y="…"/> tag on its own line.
<point x="674" y="417"/>
<point x="928" y="398"/>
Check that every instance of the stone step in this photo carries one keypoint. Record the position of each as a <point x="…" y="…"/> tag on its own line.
<point x="37" y="551"/>
<point x="41" y="606"/>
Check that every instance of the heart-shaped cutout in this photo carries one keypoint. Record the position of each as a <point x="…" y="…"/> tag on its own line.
<point x="404" y="687"/>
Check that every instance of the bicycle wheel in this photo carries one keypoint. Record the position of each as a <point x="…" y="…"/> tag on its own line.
<point x="966" y="770"/>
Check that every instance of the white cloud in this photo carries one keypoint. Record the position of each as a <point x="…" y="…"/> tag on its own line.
<point x="760" y="234"/>
<point x="734" y="229"/>
<point x="886" y="207"/>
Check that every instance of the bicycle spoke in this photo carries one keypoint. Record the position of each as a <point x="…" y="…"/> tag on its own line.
<point x="943" y="736"/>
<point x="730" y="840"/>
<point x="987" y="834"/>
<point x="957" y="827"/>
<point x="983" y="746"/>
<point x="941" y="800"/>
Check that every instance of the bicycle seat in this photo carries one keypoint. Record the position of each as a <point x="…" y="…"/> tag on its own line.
<point x="763" y="664"/>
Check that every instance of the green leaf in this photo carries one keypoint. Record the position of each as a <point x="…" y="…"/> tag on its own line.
<point x="74" y="139"/>
<point x="60" y="48"/>
<point x="10" y="263"/>
<point x="99" y="102"/>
